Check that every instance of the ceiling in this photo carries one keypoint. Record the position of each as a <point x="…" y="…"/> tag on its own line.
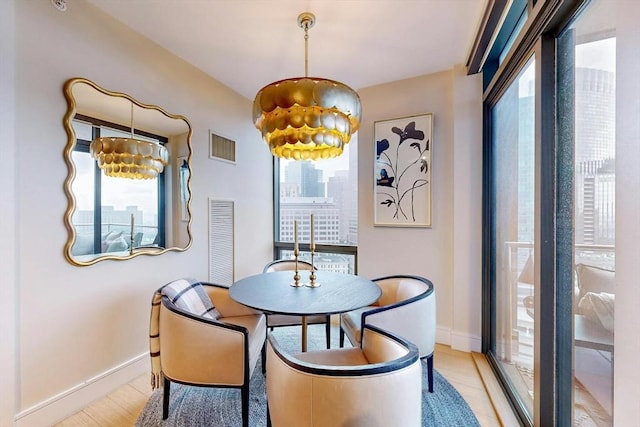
<point x="247" y="44"/>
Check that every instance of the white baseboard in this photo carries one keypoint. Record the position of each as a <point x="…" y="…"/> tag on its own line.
<point x="458" y="340"/>
<point x="67" y="403"/>
<point x="443" y="335"/>
<point x="466" y="342"/>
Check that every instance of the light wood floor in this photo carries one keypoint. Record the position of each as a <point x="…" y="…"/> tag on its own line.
<point x="122" y="407"/>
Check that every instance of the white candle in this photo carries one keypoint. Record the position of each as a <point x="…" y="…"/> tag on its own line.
<point x="312" y="244"/>
<point x="132" y="226"/>
<point x="295" y="236"/>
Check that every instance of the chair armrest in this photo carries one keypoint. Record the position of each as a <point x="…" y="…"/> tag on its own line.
<point x="414" y="320"/>
<point x="199" y="350"/>
<point x="226" y="306"/>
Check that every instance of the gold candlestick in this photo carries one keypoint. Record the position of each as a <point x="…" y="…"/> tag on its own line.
<point x="296" y="276"/>
<point x="312" y="276"/>
<point x="313" y="245"/>
<point x="131" y="245"/>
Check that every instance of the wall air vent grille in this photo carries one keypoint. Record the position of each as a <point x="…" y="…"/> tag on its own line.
<point x="222" y="148"/>
<point x="221" y="242"/>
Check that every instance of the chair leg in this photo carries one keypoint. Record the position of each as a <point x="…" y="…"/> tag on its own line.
<point x="430" y="372"/>
<point x="263" y="358"/>
<point x="341" y="337"/>
<point x="327" y="331"/>
<point x="245" y="405"/>
<point x="268" y="416"/>
<point x="165" y="398"/>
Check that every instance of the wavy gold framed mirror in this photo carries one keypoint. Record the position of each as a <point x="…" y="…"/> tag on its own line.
<point x="113" y="215"/>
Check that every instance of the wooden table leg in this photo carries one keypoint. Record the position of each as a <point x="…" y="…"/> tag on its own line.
<point x="304" y="333"/>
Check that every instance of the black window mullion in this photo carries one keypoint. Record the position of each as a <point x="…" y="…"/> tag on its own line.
<point x="547" y="322"/>
<point x="565" y="211"/>
<point x="97" y="200"/>
<point x="162" y="217"/>
<point x="488" y="242"/>
<point x="276" y="206"/>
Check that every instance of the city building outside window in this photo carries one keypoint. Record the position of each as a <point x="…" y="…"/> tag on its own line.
<point x="327" y="189"/>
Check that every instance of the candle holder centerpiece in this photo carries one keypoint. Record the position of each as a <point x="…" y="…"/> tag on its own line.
<point x="131" y="237"/>
<point x="296" y="276"/>
<point x="312" y="276"/>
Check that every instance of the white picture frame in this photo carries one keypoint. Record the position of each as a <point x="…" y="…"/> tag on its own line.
<point x="402" y="171"/>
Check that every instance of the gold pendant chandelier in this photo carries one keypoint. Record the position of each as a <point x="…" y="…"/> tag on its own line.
<point x="307" y="118"/>
<point x="129" y="157"/>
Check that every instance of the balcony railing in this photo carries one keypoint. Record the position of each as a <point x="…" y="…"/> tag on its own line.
<point x="327" y="257"/>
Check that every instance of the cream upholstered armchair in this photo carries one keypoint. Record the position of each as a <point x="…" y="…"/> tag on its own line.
<point x="407" y="307"/>
<point x="377" y="385"/>
<point x="274" y="320"/>
<point x="210" y="352"/>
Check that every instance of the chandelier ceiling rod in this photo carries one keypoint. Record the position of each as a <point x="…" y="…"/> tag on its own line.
<point x="305" y="21"/>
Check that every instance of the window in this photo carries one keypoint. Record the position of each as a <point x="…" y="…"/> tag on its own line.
<point x="588" y="81"/>
<point x="513" y="222"/>
<point x="112" y="214"/>
<point x="559" y="244"/>
<point x="328" y="190"/>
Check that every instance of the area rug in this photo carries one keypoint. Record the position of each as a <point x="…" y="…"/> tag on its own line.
<point x="219" y="407"/>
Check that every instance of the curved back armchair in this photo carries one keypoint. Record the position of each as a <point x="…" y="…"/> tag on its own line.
<point x="377" y="385"/>
<point x="210" y="352"/>
<point x="275" y="320"/>
<point x="407" y="307"/>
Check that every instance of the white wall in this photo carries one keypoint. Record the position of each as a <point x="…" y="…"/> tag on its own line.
<point x="81" y="330"/>
<point x="466" y="305"/>
<point x="8" y="266"/>
<point x="450" y="260"/>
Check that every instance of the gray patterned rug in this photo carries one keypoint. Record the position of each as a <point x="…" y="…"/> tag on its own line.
<point x="219" y="407"/>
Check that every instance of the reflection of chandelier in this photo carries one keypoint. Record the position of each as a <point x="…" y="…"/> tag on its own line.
<point x="129" y="157"/>
<point x="307" y="118"/>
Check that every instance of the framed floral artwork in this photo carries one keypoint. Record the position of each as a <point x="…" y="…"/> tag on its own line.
<point x="402" y="171"/>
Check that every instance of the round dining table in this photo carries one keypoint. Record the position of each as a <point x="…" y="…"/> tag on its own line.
<point x="335" y="293"/>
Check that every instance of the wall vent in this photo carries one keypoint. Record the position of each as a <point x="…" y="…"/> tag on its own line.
<point x="222" y="148"/>
<point x="221" y="242"/>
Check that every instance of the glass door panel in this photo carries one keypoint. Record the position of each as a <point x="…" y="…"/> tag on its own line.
<point x="591" y="45"/>
<point x="513" y="181"/>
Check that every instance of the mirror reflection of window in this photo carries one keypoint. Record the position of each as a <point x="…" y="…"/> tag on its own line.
<point x="120" y="218"/>
<point x="113" y="215"/>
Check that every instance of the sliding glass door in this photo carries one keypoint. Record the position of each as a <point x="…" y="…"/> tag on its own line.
<point x="558" y="172"/>
<point x="587" y="78"/>
<point x="513" y="190"/>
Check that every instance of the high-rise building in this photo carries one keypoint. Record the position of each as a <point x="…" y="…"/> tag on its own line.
<point x="306" y="176"/>
<point x="326" y="219"/>
<point x="343" y="192"/>
<point x="595" y="104"/>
